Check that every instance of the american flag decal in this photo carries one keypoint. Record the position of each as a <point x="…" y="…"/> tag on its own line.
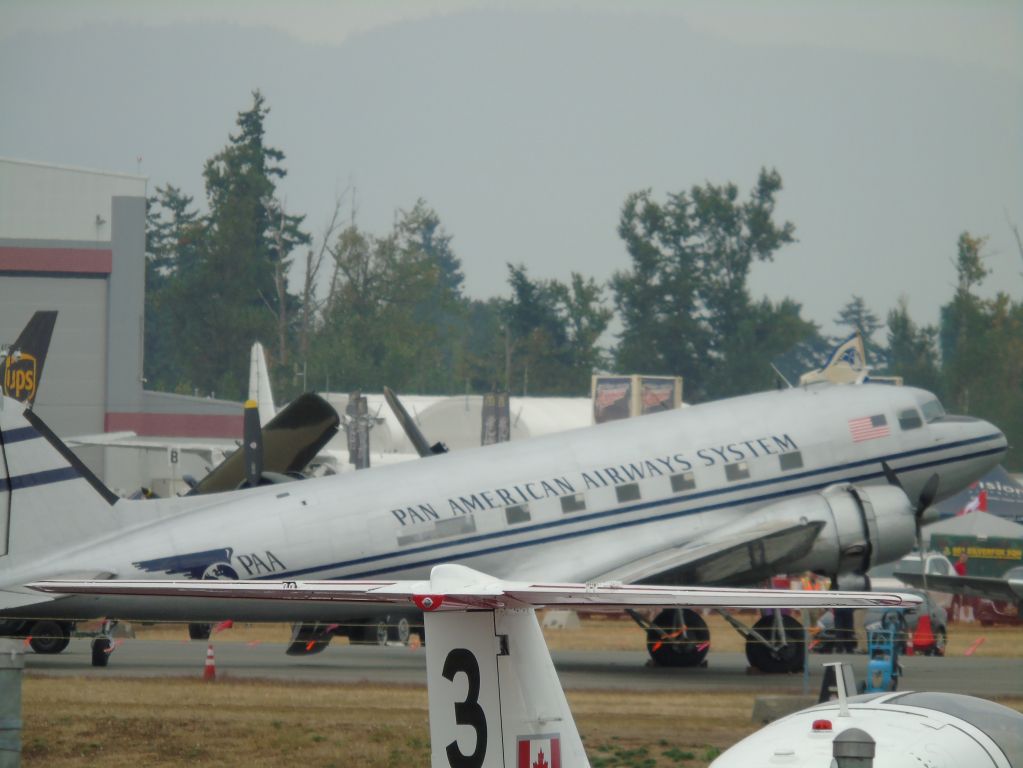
<point x="868" y="428"/>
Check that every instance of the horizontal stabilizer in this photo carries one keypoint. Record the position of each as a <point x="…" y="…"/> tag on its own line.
<point x="455" y="587"/>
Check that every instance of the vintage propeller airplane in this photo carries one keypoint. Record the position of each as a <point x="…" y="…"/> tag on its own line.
<point x="830" y="478"/>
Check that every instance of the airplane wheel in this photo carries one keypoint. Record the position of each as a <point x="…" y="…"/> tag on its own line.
<point x="787" y="657"/>
<point x="199" y="631"/>
<point x="100" y="655"/>
<point x="681" y="640"/>
<point x="49" y="636"/>
<point x="403" y="630"/>
<point x="940" y="641"/>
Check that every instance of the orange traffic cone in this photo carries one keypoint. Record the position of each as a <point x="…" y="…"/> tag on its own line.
<point x="909" y="644"/>
<point x="209" y="672"/>
<point x="923" y="637"/>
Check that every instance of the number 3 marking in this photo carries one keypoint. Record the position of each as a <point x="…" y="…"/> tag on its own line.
<point x="468" y="712"/>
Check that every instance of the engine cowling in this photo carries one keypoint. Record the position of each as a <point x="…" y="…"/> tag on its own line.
<point x="863" y="526"/>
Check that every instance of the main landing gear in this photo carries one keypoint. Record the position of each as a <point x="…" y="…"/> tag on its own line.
<point x="680" y="638"/>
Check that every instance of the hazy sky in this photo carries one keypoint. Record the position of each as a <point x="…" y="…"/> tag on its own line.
<point x="895" y="126"/>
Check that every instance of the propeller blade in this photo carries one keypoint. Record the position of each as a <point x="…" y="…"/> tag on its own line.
<point x="890" y="476"/>
<point x="418" y="440"/>
<point x="253" y="444"/>
<point x="928" y="494"/>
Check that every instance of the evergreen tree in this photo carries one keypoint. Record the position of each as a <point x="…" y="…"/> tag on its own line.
<point x="553" y="329"/>
<point x="235" y="294"/>
<point x="856" y="316"/>
<point x="913" y="351"/>
<point x="174" y="232"/>
<point x="685" y="304"/>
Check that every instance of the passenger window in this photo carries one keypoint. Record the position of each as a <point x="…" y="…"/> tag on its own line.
<point x="517" y="514"/>
<point x="574" y="503"/>
<point x="684" y="481"/>
<point x="910" y="419"/>
<point x="792" y="460"/>
<point x="737" y="471"/>
<point x="629" y="492"/>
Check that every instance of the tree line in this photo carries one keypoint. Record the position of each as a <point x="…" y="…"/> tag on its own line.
<point x="364" y="309"/>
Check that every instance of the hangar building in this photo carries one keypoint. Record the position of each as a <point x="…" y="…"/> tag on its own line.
<point x="74" y="240"/>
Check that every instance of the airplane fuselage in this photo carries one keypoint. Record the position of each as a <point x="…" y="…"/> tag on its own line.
<point x="565" y="507"/>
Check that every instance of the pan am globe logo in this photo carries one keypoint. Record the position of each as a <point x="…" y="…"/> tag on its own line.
<point x="20" y="378"/>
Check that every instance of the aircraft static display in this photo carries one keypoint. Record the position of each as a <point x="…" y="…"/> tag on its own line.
<point x="494" y="696"/>
<point x="727" y="492"/>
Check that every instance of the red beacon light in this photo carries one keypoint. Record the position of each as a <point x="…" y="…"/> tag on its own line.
<point x="820" y="726"/>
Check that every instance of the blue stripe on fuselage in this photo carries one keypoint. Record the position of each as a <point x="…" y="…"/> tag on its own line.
<point x="19" y="434"/>
<point x="616" y="511"/>
<point x="35" y="479"/>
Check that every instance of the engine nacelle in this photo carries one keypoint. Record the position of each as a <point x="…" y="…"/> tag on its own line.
<point x="854" y="582"/>
<point x="863" y="526"/>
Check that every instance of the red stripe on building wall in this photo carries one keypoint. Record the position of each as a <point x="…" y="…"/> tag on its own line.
<point x="84" y="260"/>
<point x="175" y="424"/>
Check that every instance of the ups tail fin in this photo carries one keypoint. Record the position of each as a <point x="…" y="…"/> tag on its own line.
<point x="23" y="363"/>
<point x="495" y="698"/>
<point x="47" y="495"/>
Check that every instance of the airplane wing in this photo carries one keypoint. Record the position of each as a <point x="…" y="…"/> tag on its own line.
<point x="211" y="453"/>
<point x="989" y="587"/>
<point x="456" y="587"/>
<point x="744" y="556"/>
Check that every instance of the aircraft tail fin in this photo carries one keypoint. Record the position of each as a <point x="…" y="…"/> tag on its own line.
<point x="47" y="495"/>
<point x="259" y="384"/>
<point x="23" y="362"/>
<point x="510" y="695"/>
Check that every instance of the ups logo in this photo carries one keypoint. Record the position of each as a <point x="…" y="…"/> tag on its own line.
<point x="20" y="377"/>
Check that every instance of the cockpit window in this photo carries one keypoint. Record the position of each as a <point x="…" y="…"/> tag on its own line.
<point x="932" y="410"/>
<point x="910" y="419"/>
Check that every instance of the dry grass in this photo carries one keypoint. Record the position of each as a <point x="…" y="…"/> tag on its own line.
<point x="122" y="722"/>
<point x="170" y="722"/>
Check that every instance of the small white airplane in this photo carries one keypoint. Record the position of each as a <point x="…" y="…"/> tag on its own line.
<point x="494" y="696"/>
<point x="1008" y="587"/>
<point x="729" y="492"/>
<point x="886" y="730"/>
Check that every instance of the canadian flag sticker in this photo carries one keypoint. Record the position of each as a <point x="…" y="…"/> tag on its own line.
<point x="540" y="751"/>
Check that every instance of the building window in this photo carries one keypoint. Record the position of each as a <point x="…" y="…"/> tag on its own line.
<point x="574" y="503"/>
<point x="793" y="460"/>
<point x="628" y="492"/>
<point x="517" y="514"/>
<point x="737" y="471"/>
<point x="683" y="481"/>
<point x="910" y="419"/>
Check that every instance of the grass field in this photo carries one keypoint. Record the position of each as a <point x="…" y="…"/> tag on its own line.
<point x="173" y="722"/>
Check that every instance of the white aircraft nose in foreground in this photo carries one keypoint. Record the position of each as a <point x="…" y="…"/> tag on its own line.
<point x="828" y="478"/>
